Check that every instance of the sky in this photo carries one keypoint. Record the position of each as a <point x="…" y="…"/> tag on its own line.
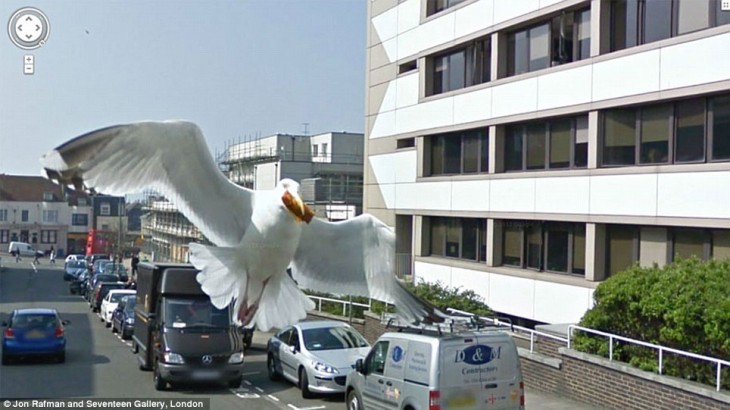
<point x="237" y="68"/>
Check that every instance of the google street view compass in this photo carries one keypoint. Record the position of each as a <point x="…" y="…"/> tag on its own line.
<point x="29" y="28"/>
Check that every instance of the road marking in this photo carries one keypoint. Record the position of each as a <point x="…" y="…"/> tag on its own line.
<point x="248" y="383"/>
<point x="272" y="397"/>
<point x="312" y="408"/>
<point x="258" y="389"/>
<point x="250" y="373"/>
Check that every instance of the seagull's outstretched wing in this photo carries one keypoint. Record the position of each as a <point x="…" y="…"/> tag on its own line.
<point x="355" y="257"/>
<point x="169" y="157"/>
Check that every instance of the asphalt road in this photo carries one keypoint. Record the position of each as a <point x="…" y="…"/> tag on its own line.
<point x="101" y="365"/>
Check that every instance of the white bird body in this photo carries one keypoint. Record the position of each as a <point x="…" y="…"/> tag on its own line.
<point x="259" y="234"/>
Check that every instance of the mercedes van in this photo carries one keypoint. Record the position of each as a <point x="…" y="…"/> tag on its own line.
<point x="25" y="249"/>
<point x="469" y="370"/>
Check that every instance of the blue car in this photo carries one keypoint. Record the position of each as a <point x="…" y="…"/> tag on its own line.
<point x="34" y="332"/>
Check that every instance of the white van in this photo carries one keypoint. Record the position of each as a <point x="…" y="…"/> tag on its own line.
<point x="24" y="248"/>
<point x="471" y="370"/>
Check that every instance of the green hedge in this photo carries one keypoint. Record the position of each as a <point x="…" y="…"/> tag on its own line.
<point x="684" y="305"/>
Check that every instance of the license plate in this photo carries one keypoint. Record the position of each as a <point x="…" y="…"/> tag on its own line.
<point x="205" y="374"/>
<point x="35" y="334"/>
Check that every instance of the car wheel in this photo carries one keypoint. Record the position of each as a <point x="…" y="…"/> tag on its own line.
<point x="353" y="401"/>
<point x="107" y="323"/>
<point x="61" y="358"/>
<point x="304" y="384"/>
<point x="235" y="383"/>
<point x="271" y="367"/>
<point x="160" y="383"/>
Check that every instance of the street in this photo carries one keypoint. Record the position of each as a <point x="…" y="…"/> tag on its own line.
<point x="101" y="365"/>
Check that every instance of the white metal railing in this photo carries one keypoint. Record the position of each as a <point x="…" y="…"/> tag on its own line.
<point x="344" y="303"/>
<point x="611" y="337"/>
<point x="514" y="328"/>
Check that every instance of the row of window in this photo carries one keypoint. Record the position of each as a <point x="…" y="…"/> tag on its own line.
<point x="47" y="236"/>
<point x="687" y="131"/>
<point x="49" y="216"/>
<point x="560" y="247"/>
<point x="566" y="37"/>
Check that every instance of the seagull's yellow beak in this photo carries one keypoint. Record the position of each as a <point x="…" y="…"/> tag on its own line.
<point x="299" y="209"/>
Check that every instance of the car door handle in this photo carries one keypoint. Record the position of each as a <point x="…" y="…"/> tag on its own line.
<point x="380" y="381"/>
<point x="490" y="386"/>
<point x="388" y="383"/>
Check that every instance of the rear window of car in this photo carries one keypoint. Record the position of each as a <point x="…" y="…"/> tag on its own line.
<point x="33" y="321"/>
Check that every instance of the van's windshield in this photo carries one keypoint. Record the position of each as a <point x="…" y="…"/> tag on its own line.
<point x="193" y="312"/>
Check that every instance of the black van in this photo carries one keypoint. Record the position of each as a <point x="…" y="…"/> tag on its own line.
<point x="179" y="334"/>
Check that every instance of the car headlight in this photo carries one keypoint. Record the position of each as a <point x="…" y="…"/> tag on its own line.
<point x="173" y="358"/>
<point x="325" y="368"/>
<point x="129" y="320"/>
<point x="236" y="358"/>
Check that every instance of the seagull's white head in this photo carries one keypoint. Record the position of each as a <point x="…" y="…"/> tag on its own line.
<point x="293" y="202"/>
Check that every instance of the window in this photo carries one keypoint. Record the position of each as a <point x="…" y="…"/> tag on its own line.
<point x="563" y="39"/>
<point x="315" y="150"/>
<point x="406" y="143"/>
<point x="79" y="219"/>
<point x="409" y="66"/>
<point x="48" y="196"/>
<point x="105" y="209"/>
<point x="3" y="215"/>
<point x="82" y="202"/>
<point x="4" y="236"/>
<point x="720" y="112"/>
<point x="48" y="236"/>
<point x="24" y="215"/>
<point x="556" y="144"/>
<point x="50" y="216"/>
<point x="324" y="149"/>
<point x="678" y="132"/>
<point x="464" y="152"/>
<point x="635" y="22"/>
<point x="700" y="243"/>
<point x="463" y="238"/>
<point x="545" y="246"/>
<point x="435" y="6"/>
<point x="461" y="68"/>
<point x="375" y="360"/>
<point x="622" y="244"/>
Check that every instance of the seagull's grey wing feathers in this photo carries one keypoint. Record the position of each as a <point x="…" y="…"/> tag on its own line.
<point x="169" y="157"/>
<point x="355" y="257"/>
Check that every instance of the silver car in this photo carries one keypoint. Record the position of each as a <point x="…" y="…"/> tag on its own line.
<point x="317" y="356"/>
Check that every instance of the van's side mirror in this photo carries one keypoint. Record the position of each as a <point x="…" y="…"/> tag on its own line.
<point x="293" y="349"/>
<point x="360" y="366"/>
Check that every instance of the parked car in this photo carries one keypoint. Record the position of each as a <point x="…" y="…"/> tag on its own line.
<point x="75" y="257"/>
<point x="73" y="269"/>
<point x="78" y="284"/>
<point x="123" y="317"/>
<point x="96" y="278"/>
<point x="34" y="332"/>
<point x="317" y="355"/>
<point x="415" y="369"/>
<point x="116" y="269"/>
<point x="100" y="291"/>
<point x="98" y="265"/>
<point x="110" y="302"/>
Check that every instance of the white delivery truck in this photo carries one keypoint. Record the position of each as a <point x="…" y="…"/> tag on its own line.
<point x="421" y="370"/>
<point x="25" y="249"/>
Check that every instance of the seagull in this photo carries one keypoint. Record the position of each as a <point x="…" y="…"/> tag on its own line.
<point x="258" y="234"/>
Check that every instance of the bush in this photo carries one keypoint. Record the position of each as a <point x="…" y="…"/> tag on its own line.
<point x="684" y="305"/>
<point x="437" y="294"/>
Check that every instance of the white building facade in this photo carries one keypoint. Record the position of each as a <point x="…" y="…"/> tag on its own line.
<point x="528" y="150"/>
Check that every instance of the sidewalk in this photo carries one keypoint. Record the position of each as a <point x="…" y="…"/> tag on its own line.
<point x="534" y="399"/>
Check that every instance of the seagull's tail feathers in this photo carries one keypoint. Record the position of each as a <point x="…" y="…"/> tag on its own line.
<point x="413" y="309"/>
<point x="217" y="277"/>
<point x="281" y="304"/>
